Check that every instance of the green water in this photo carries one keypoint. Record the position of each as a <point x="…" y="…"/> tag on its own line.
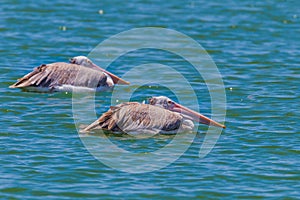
<point x="256" y="47"/>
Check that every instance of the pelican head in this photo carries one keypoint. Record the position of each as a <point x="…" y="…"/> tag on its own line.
<point x="82" y="60"/>
<point x="166" y="103"/>
<point x="162" y="101"/>
<point x="86" y="62"/>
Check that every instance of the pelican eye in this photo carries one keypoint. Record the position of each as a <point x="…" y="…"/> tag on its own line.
<point x="170" y="102"/>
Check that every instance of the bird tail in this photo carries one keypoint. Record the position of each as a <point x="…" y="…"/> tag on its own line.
<point x="91" y="126"/>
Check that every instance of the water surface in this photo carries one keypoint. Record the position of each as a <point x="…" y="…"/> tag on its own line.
<point x="256" y="48"/>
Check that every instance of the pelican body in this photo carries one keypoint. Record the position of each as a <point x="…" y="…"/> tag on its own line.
<point x="161" y="115"/>
<point x="81" y="72"/>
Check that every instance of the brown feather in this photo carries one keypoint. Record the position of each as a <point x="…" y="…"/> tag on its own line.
<point x="57" y="74"/>
<point x="133" y="116"/>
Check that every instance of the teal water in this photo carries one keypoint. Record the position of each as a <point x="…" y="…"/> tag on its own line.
<point x="256" y="47"/>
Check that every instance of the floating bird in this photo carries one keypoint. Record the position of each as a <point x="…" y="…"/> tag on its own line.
<point x="161" y="115"/>
<point x="81" y="72"/>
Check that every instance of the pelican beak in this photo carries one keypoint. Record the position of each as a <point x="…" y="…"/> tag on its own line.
<point x="196" y="116"/>
<point x="116" y="79"/>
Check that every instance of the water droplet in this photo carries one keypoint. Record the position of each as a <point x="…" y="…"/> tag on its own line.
<point x="250" y="97"/>
<point x="101" y="12"/>
<point x="63" y="28"/>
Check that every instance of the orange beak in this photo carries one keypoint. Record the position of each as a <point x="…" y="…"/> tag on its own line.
<point x="196" y="116"/>
<point x="116" y="79"/>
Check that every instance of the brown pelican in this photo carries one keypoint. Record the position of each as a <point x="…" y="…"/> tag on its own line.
<point x="81" y="72"/>
<point x="161" y="115"/>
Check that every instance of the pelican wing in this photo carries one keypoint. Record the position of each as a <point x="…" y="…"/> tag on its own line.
<point x="57" y="74"/>
<point x="133" y="116"/>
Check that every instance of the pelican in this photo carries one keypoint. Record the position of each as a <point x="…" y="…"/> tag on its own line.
<point x="161" y="115"/>
<point x="81" y="72"/>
